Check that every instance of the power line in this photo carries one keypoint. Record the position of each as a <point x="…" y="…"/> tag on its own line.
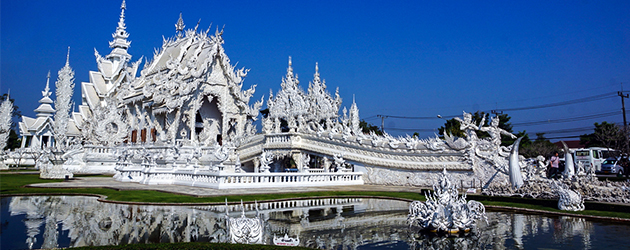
<point x="556" y="104"/>
<point x="370" y="118"/>
<point x="420" y="117"/>
<point x="562" y="137"/>
<point x="564" y="131"/>
<point x="563" y="103"/>
<point x="531" y="123"/>
<point x="570" y="119"/>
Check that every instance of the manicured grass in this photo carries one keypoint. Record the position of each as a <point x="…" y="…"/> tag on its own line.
<point x="18" y="170"/>
<point x="14" y="184"/>
<point x="554" y="209"/>
<point x="190" y="245"/>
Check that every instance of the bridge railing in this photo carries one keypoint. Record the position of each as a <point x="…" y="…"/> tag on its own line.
<point x="221" y="180"/>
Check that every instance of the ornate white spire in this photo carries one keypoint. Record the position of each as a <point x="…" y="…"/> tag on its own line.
<point x="354" y="118"/>
<point x="120" y="44"/>
<point x="45" y="109"/>
<point x="46" y="92"/>
<point x="179" y="26"/>
<point x="290" y="68"/>
<point x="64" y="89"/>
<point x="67" y="60"/>
<point x="6" y="112"/>
<point x="121" y="22"/>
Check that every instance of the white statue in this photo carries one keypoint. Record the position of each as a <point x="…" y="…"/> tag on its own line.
<point x="237" y="164"/>
<point x="569" y="165"/>
<point x="569" y="200"/>
<point x="444" y="211"/>
<point x="496" y="132"/>
<point x="266" y="159"/>
<point x="516" y="177"/>
<point x="305" y="160"/>
<point x="468" y="126"/>
<point x="339" y="162"/>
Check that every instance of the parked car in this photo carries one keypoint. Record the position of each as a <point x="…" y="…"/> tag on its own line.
<point x="612" y="166"/>
<point x="592" y="157"/>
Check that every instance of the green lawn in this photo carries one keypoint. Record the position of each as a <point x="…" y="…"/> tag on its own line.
<point x="14" y="184"/>
<point x="190" y="245"/>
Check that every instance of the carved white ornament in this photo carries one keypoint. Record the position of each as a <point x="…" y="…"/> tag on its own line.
<point x="445" y="210"/>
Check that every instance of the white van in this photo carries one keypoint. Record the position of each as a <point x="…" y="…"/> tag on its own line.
<point x="592" y="157"/>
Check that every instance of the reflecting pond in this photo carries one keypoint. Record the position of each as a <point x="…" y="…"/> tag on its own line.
<point x="340" y="223"/>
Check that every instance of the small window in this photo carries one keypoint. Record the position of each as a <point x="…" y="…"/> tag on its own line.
<point x="582" y="153"/>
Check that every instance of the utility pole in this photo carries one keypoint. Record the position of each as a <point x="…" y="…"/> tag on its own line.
<point x="623" y="108"/>
<point x="625" y="123"/>
<point x="382" y="122"/>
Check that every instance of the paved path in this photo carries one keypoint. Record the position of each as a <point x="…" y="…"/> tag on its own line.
<point x="108" y="182"/>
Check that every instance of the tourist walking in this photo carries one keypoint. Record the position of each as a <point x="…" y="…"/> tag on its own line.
<point x="555" y="164"/>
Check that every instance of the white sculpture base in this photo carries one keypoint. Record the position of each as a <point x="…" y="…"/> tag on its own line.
<point x="52" y="171"/>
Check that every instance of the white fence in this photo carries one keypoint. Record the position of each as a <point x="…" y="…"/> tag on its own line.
<point x="221" y="180"/>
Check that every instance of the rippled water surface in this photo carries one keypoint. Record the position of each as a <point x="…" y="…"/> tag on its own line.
<point x="345" y="223"/>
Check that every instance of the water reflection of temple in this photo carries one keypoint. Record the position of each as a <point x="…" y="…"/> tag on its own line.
<point x="328" y="223"/>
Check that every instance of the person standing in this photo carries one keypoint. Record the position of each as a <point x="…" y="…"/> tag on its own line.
<point x="625" y="164"/>
<point x="555" y="164"/>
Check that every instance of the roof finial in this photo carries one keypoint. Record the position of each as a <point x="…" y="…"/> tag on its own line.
<point x="197" y="26"/>
<point x="120" y="44"/>
<point x="316" y="75"/>
<point x="67" y="60"/>
<point x="46" y="92"/>
<point x="123" y="6"/>
<point x="179" y="26"/>
<point x="290" y="68"/>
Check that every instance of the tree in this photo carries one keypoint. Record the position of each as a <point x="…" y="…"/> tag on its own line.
<point x="504" y="123"/>
<point x="367" y="128"/>
<point x="608" y="135"/>
<point x="452" y="126"/>
<point x="540" y="146"/>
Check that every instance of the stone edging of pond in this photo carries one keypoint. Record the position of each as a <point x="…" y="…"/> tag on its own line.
<point x="536" y="211"/>
<point x="103" y="198"/>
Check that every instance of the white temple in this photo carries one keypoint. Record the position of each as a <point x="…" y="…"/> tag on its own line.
<point x="37" y="132"/>
<point x="186" y="119"/>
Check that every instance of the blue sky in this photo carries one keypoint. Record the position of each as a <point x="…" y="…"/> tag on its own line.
<point x="400" y="58"/>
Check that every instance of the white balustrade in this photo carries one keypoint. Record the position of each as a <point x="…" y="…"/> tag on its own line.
<point x="220" y="180"/>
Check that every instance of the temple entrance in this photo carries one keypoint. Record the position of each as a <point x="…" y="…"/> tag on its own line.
<point x="208" y="122"/>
